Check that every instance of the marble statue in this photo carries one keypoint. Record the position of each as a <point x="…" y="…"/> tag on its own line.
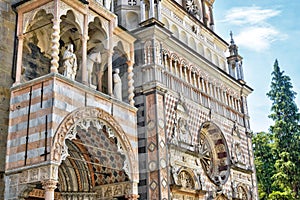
<point x="69" y="62"/>
<point x="93" y="57"/>
<point x="117" y="85"/>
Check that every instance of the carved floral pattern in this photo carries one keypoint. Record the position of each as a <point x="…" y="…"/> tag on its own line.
<point x="83" y="118"/>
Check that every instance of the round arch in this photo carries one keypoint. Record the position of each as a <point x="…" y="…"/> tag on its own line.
<point x="189" y="178"/>
<point x="84" y="118"/>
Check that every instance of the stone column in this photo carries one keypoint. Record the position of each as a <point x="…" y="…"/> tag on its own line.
<point x="175" y="67"/>
<point x="185" y="74"/>
<point x="143" y="11"/>
<point x="109" y="73"/>
<point x="49" y="186"/>
<point x="171" y="65"/>
<point x="159" y="10"/>
<point x="202" y="85"/>
<point x="84" y="40"/>
<point x="55" y="45"/>
<point x="190" y="76"/>
<point x="109" y="62"/>
<point x="151" y="11"/>
<point x="130" y="83"/>
<point x="19" y="58"/>
<point x="199" y="82"/>
<point x="180" y="71"/>
<point x="194" y="79"/>
<point x="165" y="61"/>
<point x="211" y="18"/>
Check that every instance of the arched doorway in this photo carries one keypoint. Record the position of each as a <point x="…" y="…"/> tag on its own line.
<point x="95" y="156"/>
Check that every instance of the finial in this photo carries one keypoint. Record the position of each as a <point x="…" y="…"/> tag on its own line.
<point x="231" y="36"/>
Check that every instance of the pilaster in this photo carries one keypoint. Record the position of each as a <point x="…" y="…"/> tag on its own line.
<point x="156" y="145"/>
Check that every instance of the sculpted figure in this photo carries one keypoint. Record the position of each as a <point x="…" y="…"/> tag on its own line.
<point x="117" y="85"/>
<point x="70" y="62"/>
<point x="93" y="57"/>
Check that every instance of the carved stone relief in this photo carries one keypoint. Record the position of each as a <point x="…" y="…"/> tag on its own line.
<point x="29" y="16"/>
<point x="237" y="154"/>
<point x="83" y="119"/>
<point x="180" y="133"/>
<point x="186" y="180"/>
<point x="113" y="190"/>
<point x="240" y="191"/>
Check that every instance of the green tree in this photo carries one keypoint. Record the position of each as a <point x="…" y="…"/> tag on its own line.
<point x="285" y="133"/>
<point x="264" y="162"/>
<point x="278" y="155"/>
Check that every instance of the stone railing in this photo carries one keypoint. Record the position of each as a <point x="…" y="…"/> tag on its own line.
<point x="215" y="103"/>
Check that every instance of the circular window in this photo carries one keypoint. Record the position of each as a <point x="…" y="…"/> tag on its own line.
<point x="213" y="153"/>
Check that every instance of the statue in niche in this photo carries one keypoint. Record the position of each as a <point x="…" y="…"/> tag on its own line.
<point x="185" y="180"/>
<point x="180" y="132"/>
<point x="92" y="58"/>
<point x="183" y="131"/>
<point x="70" y="62"/>
<point x="237" y="154"/>
<point x="117" y="84"/>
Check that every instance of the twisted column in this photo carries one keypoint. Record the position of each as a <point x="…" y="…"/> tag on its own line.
<point x="130" y="83"/>
<point x="55" y="45"/>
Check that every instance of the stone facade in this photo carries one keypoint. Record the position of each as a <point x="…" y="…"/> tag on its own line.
<point x="178" y="128"/>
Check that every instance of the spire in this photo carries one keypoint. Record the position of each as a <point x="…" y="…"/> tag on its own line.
<point x="235" y="61"/>
<point x="233" y="48"/>
<point x="231" y="36"/>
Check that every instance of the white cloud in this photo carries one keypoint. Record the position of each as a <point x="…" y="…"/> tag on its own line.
<point x="249" y="15"/>
<point x="258" y="38"/>
<point x="255" y="32"/>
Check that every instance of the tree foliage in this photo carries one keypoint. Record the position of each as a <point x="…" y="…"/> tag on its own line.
<point x="277" y="154"/>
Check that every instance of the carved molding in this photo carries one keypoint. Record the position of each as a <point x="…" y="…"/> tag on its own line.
<point x="29" y="16"/>
<point x="83" y="118"/>
<point x="114" y="190"/>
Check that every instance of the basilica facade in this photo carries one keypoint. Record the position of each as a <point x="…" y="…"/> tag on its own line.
<point x="122" y="99"/>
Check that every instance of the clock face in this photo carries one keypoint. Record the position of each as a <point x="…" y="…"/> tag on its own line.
<point x="213" y="154"/>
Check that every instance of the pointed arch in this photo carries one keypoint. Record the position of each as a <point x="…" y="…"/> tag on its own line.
<point x="36" y="56"/>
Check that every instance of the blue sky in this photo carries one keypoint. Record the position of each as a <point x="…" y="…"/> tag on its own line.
<point x="264" y="30"/>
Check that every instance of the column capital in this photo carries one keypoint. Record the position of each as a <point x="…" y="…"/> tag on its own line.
<point x="21" y="37"/>
<point x="84" y="37"/>
<point x="49" y="184"/>
<point x="129" y="63"/>
<point x="132" y="196"/>
<point x="56" y="20"/>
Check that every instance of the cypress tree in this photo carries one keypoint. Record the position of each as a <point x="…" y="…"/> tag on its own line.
<point x="285" y="137"/>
